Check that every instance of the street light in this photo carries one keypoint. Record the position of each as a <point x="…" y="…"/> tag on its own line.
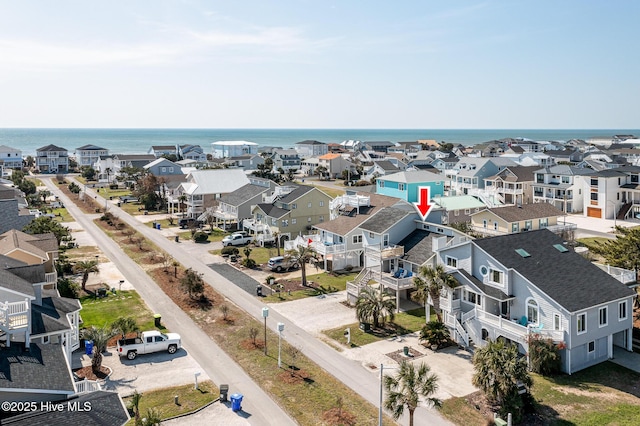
<point x="265" y="314"/>
<point x="280" y="330"/>
<point x="381" y="381"/>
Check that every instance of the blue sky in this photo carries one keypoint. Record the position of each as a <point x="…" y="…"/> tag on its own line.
<point x="317" y="64"/>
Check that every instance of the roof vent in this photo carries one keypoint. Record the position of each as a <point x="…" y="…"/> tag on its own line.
<point x="522" y="252"/>
<point x="560" y="248"/>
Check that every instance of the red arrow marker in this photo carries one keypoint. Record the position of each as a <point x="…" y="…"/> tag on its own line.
<point x="423" y="205"/>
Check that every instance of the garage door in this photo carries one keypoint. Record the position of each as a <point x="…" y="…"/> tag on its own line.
<point x="593" y="212"/>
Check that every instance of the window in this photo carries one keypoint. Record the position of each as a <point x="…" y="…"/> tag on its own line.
<point x="532" y="311"/>
<point x="274" y="222"/>
<point x="294" y="206"/>
<point x="357" y="239"/>
<point x="285" y="222"/>
<point x="528" y="225"/>
<point x="452" y="261"/>
<point x="385" y="240"/>
<point x="163" y="169"/>
<point x="45" y="339"/>
<point x="321" y="218"/>
<point x="515" y="227"/>
<point x="622" y="311"/>
<point x="309" y="205"/>
<point x="484" y="223"/>
<point x="370" y="234"/>
<point x="170" y="169"/>
<point x="294" y="221"/>
<point x="592" y="346"/>
<point x="582" y="323"/>
<point x="603" y="314"/>
<point x="543" y="223"/>
<point x="401" y="187"/>
<point x="495" y="226"/>
<point x="556" y="322"/>
<point x="308" y="220"/>
<point x="594" y="181"/>
<point x="159" y="338"/>
<point x="496" y="276"/>
<point x="381" y="183"/>
<point x="566" y="179"/>
<point x="594" y="196"/>
<point x="321" y="203"/>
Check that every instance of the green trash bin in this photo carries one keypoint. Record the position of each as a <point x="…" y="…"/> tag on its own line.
<point x="405" y="351"/>
<point x="156" y="319"/>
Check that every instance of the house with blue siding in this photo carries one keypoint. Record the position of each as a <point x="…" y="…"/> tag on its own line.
<point x="513" y="286"/>
<point x="404" y="185"/>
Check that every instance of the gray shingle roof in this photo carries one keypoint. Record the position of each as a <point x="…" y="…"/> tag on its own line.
<point x="15" y="283"/>
<point x="272" y="211"/>
<point x="52" y="148"/>
<point x="488" y="290"/>
<point x="90" y="148"/>
<point x="525" y="212"/>
<point x="43" y="367"/>
<point x="242" y="194"/>
<point x="384" y="219"/>
<point x="11" y="218"/>
<point x="296" y="193"/>
<point x="107" y="409"/>
<point x="417" y="246"/>
<point x="310" y="142"/>
<point x="568" y="278"/>
<point x="31" y="273"/>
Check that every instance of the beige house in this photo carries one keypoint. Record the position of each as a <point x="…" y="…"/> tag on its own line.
<point x="32" y="250"/>
<point x="514" y="219"/>
<point x="335" y="164"/>
<point x="290" y="211"/>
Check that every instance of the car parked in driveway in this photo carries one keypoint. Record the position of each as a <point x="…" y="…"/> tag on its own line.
<point x="148" y="342"/>
<point x="282" y="263"/>
<point x="236" y="239"/>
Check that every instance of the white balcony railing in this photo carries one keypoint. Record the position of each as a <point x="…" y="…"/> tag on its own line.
<point x="384" y="253"/>
<point x="509" y="328"/>
<point x="625" y="276"/>
<point x="449" y="305"/>
<point x="87" y="386"/>
<point x="51" y="277"/>
<point x="397" y="283"/>
<point x="14" y="315"/>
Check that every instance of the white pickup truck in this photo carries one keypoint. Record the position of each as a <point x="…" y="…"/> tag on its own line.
<point x="237" y="239"/>
<point x="148" y="342"/>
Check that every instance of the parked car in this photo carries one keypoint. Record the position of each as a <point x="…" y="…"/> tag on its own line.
<point x="188" y="222"/>
<point x="282" y="263"/>
<point x="148" y="342"/>
<point x="236" y="239"/>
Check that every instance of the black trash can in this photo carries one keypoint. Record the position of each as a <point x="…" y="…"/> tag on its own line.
<point x="259" y="290"/>
<point x="176" y="238"/>
<point x="156" y="319"/>
<point x="364" y="326"/>
<point x="224" y="390"/>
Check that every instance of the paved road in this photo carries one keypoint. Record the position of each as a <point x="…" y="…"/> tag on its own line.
<point x="258" y="407"/>
<point x="350" y="372"/>
<point x="236" y="277"/>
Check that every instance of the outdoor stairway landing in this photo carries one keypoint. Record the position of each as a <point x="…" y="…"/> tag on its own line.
<point x="622" y="213"/>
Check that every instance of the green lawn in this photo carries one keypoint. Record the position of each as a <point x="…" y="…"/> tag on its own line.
<point x="190" y="399"/>
<point x="101" y="311"/>
<point x="324" y="283"/>
<point x="605" y="394"/>
<point x="62" y="215"/>
<point x="330" y="191"/>
<point x="592" y="242"/>
<point x="404" y="323"/>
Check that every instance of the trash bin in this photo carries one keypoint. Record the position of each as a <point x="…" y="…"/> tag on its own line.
<point x="88" y="347"/>
<point x="118" y="203"/>
<point x="156" y="319"/>
<point x="259" y="290"/>
<point x="157" y="226"/>
<point x="364" y="326"/>
<point x="236" y="401"/>
<point x="224" y="390"/>
<point x="177" y="238"/>
<point x="405" y="351"/>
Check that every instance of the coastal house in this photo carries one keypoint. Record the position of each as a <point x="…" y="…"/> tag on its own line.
<point x="404" y="185"/>
<point x="458" y="209"/>
<point x="378" y="146"/>
<point x="234" y="207"/>
<point x="561" y="185"/>
<point x="192" y="152"/>
<point x="523" y="218"/>
<point x="247" y="162"/>
<point x="513" y="286"/>
<point x="613" y="193"/>
<point x="10" y="158"/>
<point x="162" y="167"/>
<point x="380" y="168"/>
<point x="224" y="149"/>
<point x="52" y="159"/>
<point x="335" y="164"/>
<point x="289" y="211"/>
<point x="136" y="161"/>
<point x="286" y="159"/>
<point x="512" y="185"/>
<point x="163" y="150"/>
<point x="468" y="174"/>
<point x="338" y="242"/>
<point x="203" y="188"/>
<point x="13" y="209"/>
<point x="311" y="148"/>
<point x="88" y="155"/>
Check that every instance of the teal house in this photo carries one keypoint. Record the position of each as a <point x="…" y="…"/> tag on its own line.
<point x="404" y="185"/>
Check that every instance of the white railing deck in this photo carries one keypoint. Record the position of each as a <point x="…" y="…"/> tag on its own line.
<point x="51" y="277"/>
<point x="397" y="283"/>
<point x="625" y="276"/>
<point x="385" y="253"/>
<point x="508" y="328"/>
<point x="449" y="305"/>
<point x="87" y="386"/>
<point x="14" y="315"/>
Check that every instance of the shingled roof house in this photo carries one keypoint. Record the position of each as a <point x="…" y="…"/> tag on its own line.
<point x="516" y="285"/>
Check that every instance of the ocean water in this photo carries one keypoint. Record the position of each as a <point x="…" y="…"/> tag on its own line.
<point x="138" y="141"/>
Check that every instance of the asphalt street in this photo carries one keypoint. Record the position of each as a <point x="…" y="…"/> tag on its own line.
<point x="258" y="407"/>
<point x="350" y="372"/>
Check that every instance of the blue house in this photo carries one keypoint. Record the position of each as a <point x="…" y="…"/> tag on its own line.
<point x="404" y="185"/>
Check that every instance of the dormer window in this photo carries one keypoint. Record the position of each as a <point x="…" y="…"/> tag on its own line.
<point x="496" y="276"/>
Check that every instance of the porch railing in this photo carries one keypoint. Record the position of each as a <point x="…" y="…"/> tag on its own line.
<point x="625" y="276"/>
<point x="87" y="386"/>
<point x="14" y="315"/>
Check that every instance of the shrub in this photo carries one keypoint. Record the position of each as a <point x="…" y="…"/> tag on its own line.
<point x="200" y="237"/>
<point x="248" y="262"/>
<point x="230" y="251"/>
<point x="113" y="186"/>
<point x="544" y="355"/>
<point x="68" y="288"/>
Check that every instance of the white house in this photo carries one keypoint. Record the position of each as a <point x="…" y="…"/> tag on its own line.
<point x="88" y="155"/>
<point x="224" y="149"/>
<point x="10" y="158"/>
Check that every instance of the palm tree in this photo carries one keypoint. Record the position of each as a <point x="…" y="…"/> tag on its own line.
<point x="44" y="194"/>
<point x="183" y="200"/>
<point x="434" y="333"/>
<point x="374" y="306"/>
<point x="108" y="172"/>
<point x="86" y="267"/>
<point x="301" y="256"/>
<point x="100" y="337"/>
<point x="134" y="404"/>
<point x="435" y="280"/>
<point x="125" y="326"/>
<point x="498" y="371"/>
<point x="406" y="388"/>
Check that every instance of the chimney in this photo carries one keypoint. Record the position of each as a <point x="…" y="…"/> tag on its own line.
<point x="37" y="289"/>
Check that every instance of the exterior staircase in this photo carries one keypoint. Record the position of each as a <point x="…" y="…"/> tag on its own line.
<point x="622" y="213"/>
